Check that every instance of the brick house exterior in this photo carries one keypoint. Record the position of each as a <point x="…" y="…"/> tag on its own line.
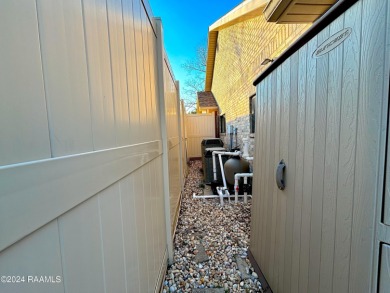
<point x="238" y="43"/>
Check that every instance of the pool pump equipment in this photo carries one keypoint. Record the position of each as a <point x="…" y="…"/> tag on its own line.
<point x="231" y="176"/>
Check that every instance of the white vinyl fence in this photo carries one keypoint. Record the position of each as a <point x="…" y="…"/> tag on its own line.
<point x="83" y="149"/>
<point x="171" y="121"/>
<point x="198" y="127"/>
<point x="183" y="139"/>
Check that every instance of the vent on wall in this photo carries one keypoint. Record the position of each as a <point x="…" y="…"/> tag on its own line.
<point x="296" y="11"/>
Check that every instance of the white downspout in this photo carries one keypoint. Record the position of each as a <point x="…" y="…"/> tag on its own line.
<point x="245" y="149"/>
<point x="245" y="153"/>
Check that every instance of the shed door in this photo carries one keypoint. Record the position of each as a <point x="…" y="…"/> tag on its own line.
<point x="386" y="200"/>
<point x="384" y="283"/>
<point x="383" y="227"/>
<point x="326" y="118"/>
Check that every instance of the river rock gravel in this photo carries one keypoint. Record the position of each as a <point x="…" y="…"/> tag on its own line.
<point x="220" y="232"/>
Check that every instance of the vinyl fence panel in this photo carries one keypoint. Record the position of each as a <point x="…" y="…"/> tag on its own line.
<point x="198" y="127"/>
<point x="172" y="111"/>
<point x="81" y="154"/>
<point x="24" y="124"/>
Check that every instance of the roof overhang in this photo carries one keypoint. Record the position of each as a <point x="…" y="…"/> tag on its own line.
<point x="245" y="11"/>
<point x="296" y="11"/>
<point x="280" y="11"/>
<point x="333" y="13"/>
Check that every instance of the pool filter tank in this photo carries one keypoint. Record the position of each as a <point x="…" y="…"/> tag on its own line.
<point x="235" y="165"/>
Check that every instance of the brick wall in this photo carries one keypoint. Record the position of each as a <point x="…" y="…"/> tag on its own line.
<point x="240" y="50"/>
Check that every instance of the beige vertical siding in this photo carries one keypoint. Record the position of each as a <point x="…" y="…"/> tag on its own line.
<point x="326" y="118"/>
<point x="79" y="102"/>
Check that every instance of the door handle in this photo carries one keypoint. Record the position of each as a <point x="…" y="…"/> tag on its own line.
<point x="280" y="180"/>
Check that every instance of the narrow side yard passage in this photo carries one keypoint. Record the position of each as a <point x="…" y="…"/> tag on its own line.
<point x="210" y="244"/>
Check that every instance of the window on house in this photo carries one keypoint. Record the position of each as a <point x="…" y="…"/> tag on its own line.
<point x="252" y="113"/>
<point x="222" y="123"/>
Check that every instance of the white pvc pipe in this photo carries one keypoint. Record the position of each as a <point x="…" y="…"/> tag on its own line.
<point x="240" y="175"/>
<point x="236" y="153"/>
<point x="227" y="194"/>
<point x="214" y="168"/>
<point x="245" y="149"/>
<point x="236" y="187"/>
<point x="204" y="196"/>
<point x="222" y="171"/>
<point x="216" y="196"/>
<point x="245" y="193"/>
<point x="219" y="190"/>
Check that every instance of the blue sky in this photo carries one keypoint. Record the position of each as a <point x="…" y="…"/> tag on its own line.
<point x="186" y="26"/>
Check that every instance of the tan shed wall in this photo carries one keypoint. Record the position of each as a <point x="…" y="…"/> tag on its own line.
<point x="327" y="119"/>
<point x="81" y="160"/>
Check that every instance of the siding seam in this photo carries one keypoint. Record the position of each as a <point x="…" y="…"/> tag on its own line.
<point x="44" y="81"/>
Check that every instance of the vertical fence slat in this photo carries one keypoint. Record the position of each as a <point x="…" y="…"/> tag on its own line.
<point x="99" y="73"/>
<point x="24" y="132"/>
<point x="81" y="248"/>
<point x="112" y="239"/>
<point x="65" y="74"/>
<point x="132" y="70"/>
<point x="118" y="69"/>
<point x="38" y="254"/>
<point x="130" y="238"/>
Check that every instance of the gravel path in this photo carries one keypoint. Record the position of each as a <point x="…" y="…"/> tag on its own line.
<point x="209" y="243"/>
